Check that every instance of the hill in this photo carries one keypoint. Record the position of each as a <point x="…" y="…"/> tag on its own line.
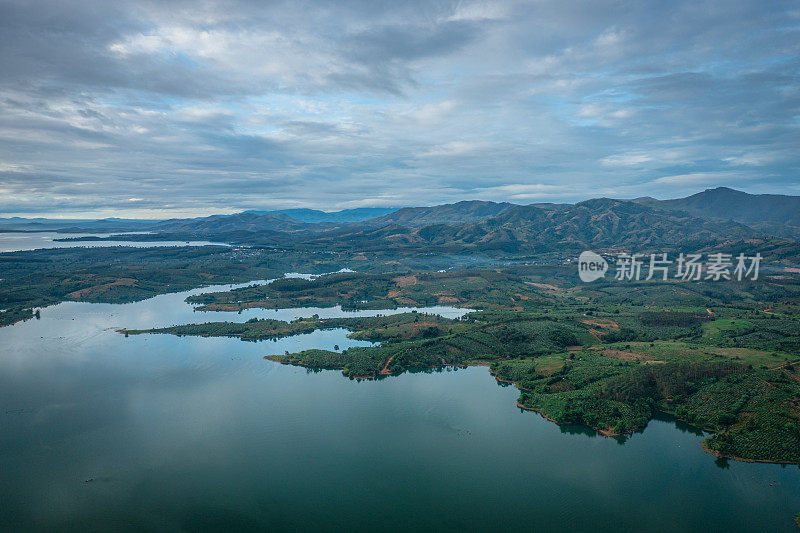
<point x="314" y="216"/>
<point x="599" y="223"/>
<point x="773" y="213"/>
<point x="242" y="222"/>
<point x="704" y="220"/>
<point x="457" y="213"/>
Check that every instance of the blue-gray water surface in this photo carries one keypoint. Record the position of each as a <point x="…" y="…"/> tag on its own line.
<point x="99" y="432"/>
<point x="18" y="241"/>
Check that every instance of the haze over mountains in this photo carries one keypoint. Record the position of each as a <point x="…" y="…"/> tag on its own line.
<point x="711" y="217"/>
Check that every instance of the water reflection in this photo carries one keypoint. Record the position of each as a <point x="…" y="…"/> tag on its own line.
<point x="203" y="434"/>
<point x="575" y="429"/>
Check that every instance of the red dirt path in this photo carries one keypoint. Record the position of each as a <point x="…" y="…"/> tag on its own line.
<point x="385" y="371"/>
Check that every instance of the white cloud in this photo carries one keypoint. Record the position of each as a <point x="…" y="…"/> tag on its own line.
<point x="479" y="11"/>
<point x="523" y="191"/>
<point x="701" y="178"/>
<point x="610" y="41"/>
<point x="455" y="148"/>
<point x="753" y="159"/>
<point x="12" y="167"/>
<point x="625" y="160"/>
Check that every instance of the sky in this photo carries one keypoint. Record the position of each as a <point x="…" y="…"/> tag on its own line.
<point x="166" y="109"/>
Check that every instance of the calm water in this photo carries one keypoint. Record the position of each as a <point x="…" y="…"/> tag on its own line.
<point x="203" y="434"/>
<point x="14" y="242"/>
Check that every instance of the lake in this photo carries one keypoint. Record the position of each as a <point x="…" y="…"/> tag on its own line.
<point x="99" y="432"/>
<point x="15" y="242"/>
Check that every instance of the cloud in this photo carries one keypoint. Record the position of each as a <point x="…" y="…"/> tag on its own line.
<point x="187" y="108"/>
<point x="522" y="192"/>
<point x="702" y="178"/>
<point x="625" y="160"/>
<point x="455" y="149"/>
<point x="480" y="11"/>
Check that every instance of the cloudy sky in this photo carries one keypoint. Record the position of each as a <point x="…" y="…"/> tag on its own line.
<point x="154" y="109"/>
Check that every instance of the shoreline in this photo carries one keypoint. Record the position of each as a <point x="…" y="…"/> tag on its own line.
<point x="743" y="459"/>
<point x="605" y="433"/>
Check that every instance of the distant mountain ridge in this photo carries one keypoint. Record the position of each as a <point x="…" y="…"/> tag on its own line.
<point x="216" y="224"/>
<point x="599" y="223"/>
<point x="713" y="216"/>
<point x="773" y="213"/>
<point x="457" y="213"/>
<point x="315" y="216"/>
<point x="104" y="225"/>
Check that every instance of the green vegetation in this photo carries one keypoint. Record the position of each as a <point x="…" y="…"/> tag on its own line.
<point x="39" y="278"/>
<point x="484" y="228"/>
<point x="392" y="328"/>
<point x="605" y="355"/>
<point x="484" y="288"/>
<point x="15" y="314"/>
<point x="608" y="354"/>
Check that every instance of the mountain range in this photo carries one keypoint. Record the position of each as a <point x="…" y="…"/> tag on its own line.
<point x="777" y="214"/>
<point x="457" y="213"/>
<point x="599" y="223"/>
<point x="314" y="216"/>
<point x="710" y="218"/>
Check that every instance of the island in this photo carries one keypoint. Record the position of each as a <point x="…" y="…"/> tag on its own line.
<point x="721" y="356"/>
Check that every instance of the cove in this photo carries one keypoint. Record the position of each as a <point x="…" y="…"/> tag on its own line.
<point x="157" y="432"/>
